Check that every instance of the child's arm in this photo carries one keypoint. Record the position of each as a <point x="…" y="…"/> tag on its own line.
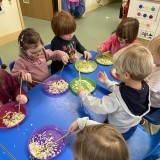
<point x="14" y="89"/>
<point x="82" y="50"/>
<point x="104" y="47"/>
<point x="19" y="70"/>
<point x="56" y="55"/>
<point x="80" y="123"/>
<point x="103" y="78"/>
<point x="105" y="105"/>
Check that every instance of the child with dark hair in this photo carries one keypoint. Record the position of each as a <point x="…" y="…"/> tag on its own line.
<point x="64" y="27"/>
<point x="125" y="34"/>
<point x="32" y="64"/>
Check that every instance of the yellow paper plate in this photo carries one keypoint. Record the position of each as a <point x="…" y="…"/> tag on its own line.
<point x="85" y="66"/>
<point x="104" y="59"/>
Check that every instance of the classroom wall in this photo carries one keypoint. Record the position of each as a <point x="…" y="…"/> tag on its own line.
<point x="11" y="21"/>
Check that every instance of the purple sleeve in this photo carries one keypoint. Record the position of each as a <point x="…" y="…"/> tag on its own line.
<point x="12" y="85"/>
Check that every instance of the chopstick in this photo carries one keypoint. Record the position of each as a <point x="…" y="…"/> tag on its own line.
<point x="38" y="82"/>
<point x="80" y="77"/>
<point x="56" y="141"/>
<point x="19" y="105"/>
<point x="61" y="138"/>
<point x="7" y="152"/>
<point x="62" y="70"/>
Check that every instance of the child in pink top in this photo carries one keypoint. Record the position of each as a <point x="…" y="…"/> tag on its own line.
<point x="125" y="34"/>
<point x="32" y="64"/>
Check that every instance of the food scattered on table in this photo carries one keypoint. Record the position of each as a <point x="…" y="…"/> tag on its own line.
<point x="84" y="84"/>
<point x="57" y="87"/>
<point x="85" y="66"/>
<point x="12" y="118"/>
<point x="104" y="59"/>
<point x="42" y="146"/>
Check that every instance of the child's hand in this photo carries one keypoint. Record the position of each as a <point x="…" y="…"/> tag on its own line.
<point x="65" y="59"/>
<point x="74" y="58"/>
<point x="79" y="90"/>
<point x="26" y="77"/>
<point x="87" y="55"/>
<point x="99" y="49"/>
<point x="73" y="127"/>
<point x="22" y="99"/>
<point x="102" y="77"/>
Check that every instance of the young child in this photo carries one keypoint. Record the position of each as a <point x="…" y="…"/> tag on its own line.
<point x="10" y="89"/>
<point x="129" y="101"/>
<point x="153" y="79"/>
<point x="125" y="34"/>
<point x="32" y="64"/>
<point x="98" y="142"/>
<point x="64" y="27"/>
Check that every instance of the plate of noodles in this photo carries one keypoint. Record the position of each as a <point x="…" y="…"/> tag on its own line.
<point x="104" y="58"/>
<point x="86" y="83"/>
<point x="55" y="86"/>
<point x="85" y="66"/>
<point x="41" y="143"/>
<point x="10" y="116"/>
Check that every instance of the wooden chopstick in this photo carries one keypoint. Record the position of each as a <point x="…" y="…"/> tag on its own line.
<point x="19" y="105"/>
<point x="56" y="141"/>
<point x="62" y="70"/>
<point x="80" y="77"/>
<point x="7" y="152"/>
<point x="61" y="138"/>
<point x="38" y="82"/>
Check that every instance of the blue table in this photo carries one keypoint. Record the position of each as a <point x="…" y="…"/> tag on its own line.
<point x="61" y="111"/>
<point x="43" y="110"/>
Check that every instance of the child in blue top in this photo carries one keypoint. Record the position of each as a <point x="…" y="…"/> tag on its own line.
<point x="64" y="27"/>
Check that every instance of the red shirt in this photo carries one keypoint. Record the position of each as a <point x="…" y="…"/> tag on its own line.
<point x="10" y="90"/>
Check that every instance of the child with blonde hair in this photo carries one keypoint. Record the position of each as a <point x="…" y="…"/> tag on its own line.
<point x="64" y="27"/>
<point x="32" y="64"/>
<point x="153" y="79"/>
<point x="10" y="89"/>
<point x="130" y="100"/>
<point x="125" y="34"/>
<point x="98" y="142"/>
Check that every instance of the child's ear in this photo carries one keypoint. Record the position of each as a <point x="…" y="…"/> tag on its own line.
<point x="127" y="75"/>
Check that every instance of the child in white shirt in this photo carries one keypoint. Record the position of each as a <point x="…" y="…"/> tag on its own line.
<point x="129" y="101"/>
<point x="153" y="79"/>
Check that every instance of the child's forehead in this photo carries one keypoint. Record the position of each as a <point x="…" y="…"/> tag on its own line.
<point x="35" y="46"/>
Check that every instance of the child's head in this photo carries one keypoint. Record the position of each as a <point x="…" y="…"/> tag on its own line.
<point x="30" y="42"/>
<point x="154" y="47"/>
<point x="100" y="142"/>
<point x="136" y="60"/>
<point x="63" y="25"/>
<point x="127" y="30"/>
